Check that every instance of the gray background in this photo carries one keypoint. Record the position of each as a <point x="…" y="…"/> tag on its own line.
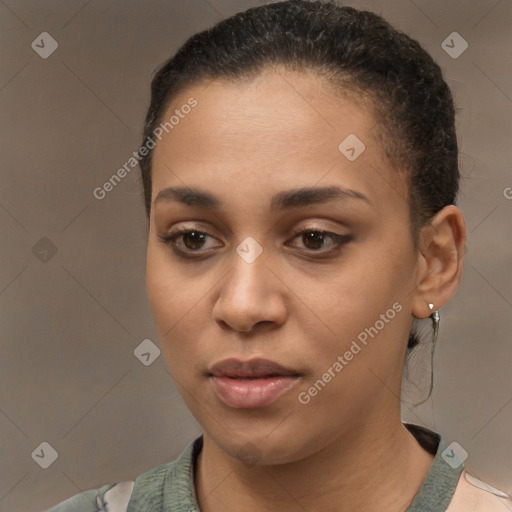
<point x="70" y="324"/>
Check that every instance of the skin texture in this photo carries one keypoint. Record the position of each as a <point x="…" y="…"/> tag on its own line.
<point x="244" y="142"/>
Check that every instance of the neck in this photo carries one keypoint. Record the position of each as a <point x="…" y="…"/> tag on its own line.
<point x="374" y="467"/>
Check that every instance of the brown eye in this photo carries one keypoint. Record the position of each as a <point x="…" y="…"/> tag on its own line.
<point x="314" y="239"/>
<point x="186" y="241"/>
<point x="193" y="239"/>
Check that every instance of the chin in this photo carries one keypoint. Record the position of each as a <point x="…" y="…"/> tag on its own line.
<point x="259" y="445"/>
<point x="277" y="434"/>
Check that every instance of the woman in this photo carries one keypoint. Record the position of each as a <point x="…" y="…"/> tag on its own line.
<point x="300" y="171"/>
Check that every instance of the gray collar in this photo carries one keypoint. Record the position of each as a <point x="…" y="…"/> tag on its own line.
<point x="435" y="493"/>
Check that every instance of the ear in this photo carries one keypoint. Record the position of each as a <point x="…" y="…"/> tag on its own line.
<point x="441" y="254"/>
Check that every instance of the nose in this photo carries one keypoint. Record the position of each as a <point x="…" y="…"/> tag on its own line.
<point x="251" y="294"/>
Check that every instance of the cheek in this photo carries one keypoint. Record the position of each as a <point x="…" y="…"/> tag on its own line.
<point x="356" y="296"/>
<point x="179" y="307"/>
<point x="368" y="304"/>
<point x="159" y="286"/>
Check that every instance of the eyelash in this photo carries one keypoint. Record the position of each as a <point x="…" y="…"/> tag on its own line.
<point x="170" y="240"/>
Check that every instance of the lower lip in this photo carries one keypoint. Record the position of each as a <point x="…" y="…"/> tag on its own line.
<point x="252" y="393"/>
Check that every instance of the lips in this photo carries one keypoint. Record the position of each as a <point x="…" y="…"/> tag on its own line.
<point x="251" y="384"/>
<point x="255" y="368"/>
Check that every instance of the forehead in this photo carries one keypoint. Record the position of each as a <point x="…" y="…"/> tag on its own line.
<point x="279" y="127"/>
<point x="277" y="110"/>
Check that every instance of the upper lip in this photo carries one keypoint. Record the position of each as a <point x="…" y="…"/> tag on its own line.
<point x="253" y="368"/>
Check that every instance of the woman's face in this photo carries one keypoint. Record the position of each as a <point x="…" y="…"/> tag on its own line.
<point x="337" y="317"/>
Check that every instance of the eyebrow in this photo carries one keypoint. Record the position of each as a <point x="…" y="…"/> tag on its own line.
<point x="287" y="199"/>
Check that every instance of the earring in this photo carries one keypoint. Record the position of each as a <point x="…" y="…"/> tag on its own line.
<point x="435" y="314"/>
<point x="435" y="324"/>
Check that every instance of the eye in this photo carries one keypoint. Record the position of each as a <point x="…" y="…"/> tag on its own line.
<point x="191" y="240"/>
<point x="187" y="241"/>
<point x="316" y="238"/>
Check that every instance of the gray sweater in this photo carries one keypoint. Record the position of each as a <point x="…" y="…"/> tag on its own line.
<point x="170" y="487"/>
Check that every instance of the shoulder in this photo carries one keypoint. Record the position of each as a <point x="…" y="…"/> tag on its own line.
<point x="113" y="497"/>
<point x="473" y="495"/>
<point x="146" y="492"/>
<point x="108" y="498"/>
